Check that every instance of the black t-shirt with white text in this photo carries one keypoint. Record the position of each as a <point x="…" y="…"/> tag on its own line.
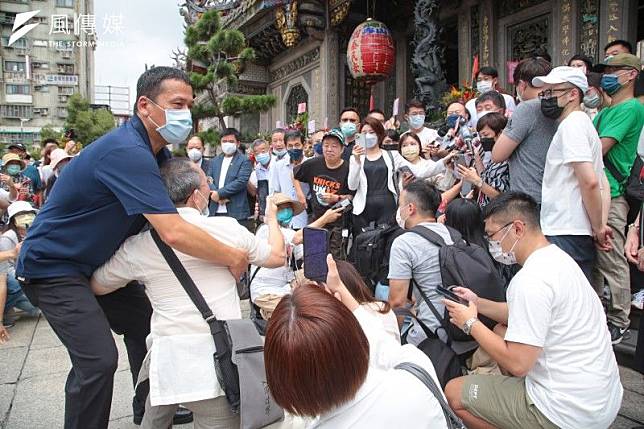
<point x="323" y="179"/>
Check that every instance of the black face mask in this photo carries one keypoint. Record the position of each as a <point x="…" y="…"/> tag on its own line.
<point x="487" y="143"/>
<point x="550" y="108"/>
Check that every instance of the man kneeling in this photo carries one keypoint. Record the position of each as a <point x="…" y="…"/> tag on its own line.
<point x="180" y="345"/>
<point x="552" y="338"/>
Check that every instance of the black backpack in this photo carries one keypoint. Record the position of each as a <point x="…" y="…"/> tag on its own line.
<point x="372" y="247"/>
<point x="468" y="265"/>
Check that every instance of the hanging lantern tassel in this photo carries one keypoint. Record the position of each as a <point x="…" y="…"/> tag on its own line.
<point x="371" y="52"/>
<point x="372" y="100"/>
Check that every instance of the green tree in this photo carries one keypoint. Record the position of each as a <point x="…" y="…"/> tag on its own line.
<point x="49" y="132"/>
<point x="223" y="53"/>
<point x="88" y="124"/>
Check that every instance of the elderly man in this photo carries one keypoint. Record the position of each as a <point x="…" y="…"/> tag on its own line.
<point x="180" y="344"/>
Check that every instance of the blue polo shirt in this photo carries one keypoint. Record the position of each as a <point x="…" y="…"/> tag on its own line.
<point x="97" y="202"/>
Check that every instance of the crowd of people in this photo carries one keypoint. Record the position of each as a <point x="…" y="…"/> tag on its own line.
<point x="495" y="253"/>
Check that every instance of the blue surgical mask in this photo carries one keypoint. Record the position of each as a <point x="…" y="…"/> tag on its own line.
<point x="263" y="158"/>
<point x="417" y="122"/>
<point x="349" y="129"/>
<point x="13" y="170"/>
<point x="610" y="83"/>
<point x="284" y="216"/>
<point x="451" y="120"/>
<point x="178" y="124"/>
<point x="371" y="140"/>
<point x="295" y="154"/>
<point x="317" y="148"/>
<point x="592" y="101"/>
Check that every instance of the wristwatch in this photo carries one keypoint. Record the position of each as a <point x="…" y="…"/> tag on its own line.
<point x="467" y="326"/>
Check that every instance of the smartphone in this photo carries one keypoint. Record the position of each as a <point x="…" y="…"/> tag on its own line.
<point x="360" y="140"/>
<point x="345" y="205"/>
<point x="447" y="293"/>
<point x="316" y="248"/>
<point x="405" y="170"/>
<point x="461" y="160"/>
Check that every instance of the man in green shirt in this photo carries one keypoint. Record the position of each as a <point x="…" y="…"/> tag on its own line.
<point x="619" y="127"/>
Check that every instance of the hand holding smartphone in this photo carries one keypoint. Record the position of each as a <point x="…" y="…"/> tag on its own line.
<point x="449" y="294"/>
<point x="316" y="248"/>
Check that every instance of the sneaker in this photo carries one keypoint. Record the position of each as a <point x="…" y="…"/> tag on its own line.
<point x="616" y="333"/>
<point x="638" y="300"/>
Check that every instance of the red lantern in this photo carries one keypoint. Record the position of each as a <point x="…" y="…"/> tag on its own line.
<point x="371" y="52"/>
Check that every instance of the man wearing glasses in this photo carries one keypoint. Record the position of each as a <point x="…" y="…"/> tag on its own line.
<point x="573" y="169"/>
<point x="551" y="338"/>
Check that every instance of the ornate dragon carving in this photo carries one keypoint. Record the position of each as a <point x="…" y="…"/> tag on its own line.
<point x="428" y="53"/>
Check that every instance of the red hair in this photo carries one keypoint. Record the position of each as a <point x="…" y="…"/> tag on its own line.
<point x="316" y="354"/>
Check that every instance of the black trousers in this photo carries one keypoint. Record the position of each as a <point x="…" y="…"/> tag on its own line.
<point x="81" y="324"/>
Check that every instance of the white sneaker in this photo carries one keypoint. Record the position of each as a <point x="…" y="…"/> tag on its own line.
<point x="638" y="300"/>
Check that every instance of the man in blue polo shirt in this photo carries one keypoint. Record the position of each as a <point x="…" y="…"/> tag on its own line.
<point x="104" y="196"/>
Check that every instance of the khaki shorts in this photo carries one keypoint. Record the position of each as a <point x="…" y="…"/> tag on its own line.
<point x="502" y="401"/>
<point x="267" y="304"/>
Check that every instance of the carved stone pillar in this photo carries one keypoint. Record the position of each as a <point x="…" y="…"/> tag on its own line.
<point x="330" y="63"/>
<point x="428" y="53"/>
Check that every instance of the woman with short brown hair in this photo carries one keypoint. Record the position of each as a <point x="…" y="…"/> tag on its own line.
<point x="328" y="358"/>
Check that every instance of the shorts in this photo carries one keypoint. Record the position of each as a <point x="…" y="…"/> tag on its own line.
<point x="502" y="401"/>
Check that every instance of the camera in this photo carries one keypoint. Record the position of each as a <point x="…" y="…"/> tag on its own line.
<point x="345" y="205"/>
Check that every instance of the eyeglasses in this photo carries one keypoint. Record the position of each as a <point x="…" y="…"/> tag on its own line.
<point x="548" y="93"/>
<point x="490" y="236"/>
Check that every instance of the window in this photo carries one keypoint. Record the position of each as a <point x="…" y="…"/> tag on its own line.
<point x="64" y="3"/>
<point x="14" y="66"/>
<point x="65" y="68"/>
<point x="18" y="89"/>
<point x="18" y="44"/>
<point x="65" y="90"/>
<point x="41" y="88"/>
<point x="62" y="112"/>
<point x="296" y="96"/>
<point x="16" y="111"/>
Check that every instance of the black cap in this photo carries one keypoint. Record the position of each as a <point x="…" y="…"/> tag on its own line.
<point x="17" y="146"/>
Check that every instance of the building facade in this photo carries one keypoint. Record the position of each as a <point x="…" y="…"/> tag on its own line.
<point x="42" y="69"/>
<point x="301" y="46"/>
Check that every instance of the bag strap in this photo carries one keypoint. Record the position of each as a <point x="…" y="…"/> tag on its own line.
<point x="393" y="169"/>
<point x="433" y="309"/>
<point x="429" y="235"/>
<point x="452" y="420"/>
<point x="216" y="327"/>
<point x="613" y="170"/>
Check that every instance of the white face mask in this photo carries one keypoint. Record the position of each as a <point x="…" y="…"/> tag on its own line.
<point x="484" y="86"/>
<point x="496" y="251"/>
<point x="206" y="210"/>
<point x="371" y="140"/>
<point x="194" y="154"/>
<point x="228" y="148"/>
<point x="399" y="219"/>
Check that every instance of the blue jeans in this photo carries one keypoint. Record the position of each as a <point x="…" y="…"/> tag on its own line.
<point x="581" y="248"/>
<point x="16" y="298"/>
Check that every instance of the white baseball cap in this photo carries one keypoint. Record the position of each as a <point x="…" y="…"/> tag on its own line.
<point x="19" y="207"/>
<point x="563" y="74"/>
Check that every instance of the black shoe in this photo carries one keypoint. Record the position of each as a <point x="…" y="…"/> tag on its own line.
<point x="182" y="416"/>
<point x="616" y="333"/>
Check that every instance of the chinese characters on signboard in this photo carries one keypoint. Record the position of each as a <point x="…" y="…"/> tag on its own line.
<point x="565" y="31"/>
<point x="613" y="20"/>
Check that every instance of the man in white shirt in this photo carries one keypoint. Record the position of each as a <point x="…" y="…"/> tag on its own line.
<point x="180" y="343"/>
<point x="552" y="336"/>
<point x="487" y="79"/>
<point x="415" y="117"/>
<point x="574" y="169"/>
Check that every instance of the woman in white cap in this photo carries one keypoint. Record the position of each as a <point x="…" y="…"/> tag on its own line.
<point x="21" y="216"/>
